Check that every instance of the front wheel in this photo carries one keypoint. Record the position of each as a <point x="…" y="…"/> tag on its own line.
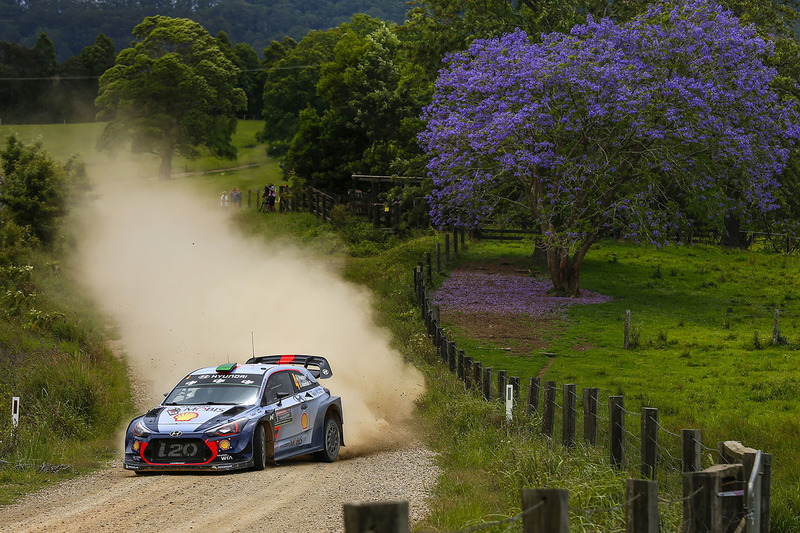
<point x="331" y="440"/>
<point x="259" y="448"/>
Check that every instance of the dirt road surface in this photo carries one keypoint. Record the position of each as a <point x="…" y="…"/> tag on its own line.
<point x="299" y="496"/>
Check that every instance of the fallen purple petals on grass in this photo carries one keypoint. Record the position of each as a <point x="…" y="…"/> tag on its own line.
<point x="471" y="292"/>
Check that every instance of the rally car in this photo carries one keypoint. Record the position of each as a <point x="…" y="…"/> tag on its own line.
<point x="236" y="416"/>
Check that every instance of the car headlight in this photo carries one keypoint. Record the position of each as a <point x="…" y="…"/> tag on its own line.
<point x="140" y="430"/>
<point x="227" y="429"/>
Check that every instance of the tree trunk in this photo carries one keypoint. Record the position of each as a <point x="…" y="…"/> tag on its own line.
<point x="165" y="168"/>
<point x="167" y="150"/>
<point x="564" y="271"/>
<point x="732" y="232"/>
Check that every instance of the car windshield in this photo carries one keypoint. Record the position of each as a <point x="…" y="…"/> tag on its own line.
<point x="208" y="394"/>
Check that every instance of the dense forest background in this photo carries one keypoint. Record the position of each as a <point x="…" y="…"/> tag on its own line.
<point x="74" y="24"/>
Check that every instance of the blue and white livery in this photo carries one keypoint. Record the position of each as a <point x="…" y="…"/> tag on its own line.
<point x="238" y="416"/>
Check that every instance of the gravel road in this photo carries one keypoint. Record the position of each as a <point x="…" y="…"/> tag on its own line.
<point x="299" y="496"/>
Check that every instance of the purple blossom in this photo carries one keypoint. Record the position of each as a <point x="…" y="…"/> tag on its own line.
<point x="589" y="127"/>
<point x="470" y="291"/>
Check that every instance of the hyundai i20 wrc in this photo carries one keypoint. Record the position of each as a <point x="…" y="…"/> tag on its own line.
<point x="238" y="416"/>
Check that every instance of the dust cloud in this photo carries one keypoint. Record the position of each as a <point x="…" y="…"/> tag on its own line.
<point x="186" y="290"/>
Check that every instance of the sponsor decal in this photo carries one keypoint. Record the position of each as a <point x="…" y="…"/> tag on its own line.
<point x="186" y="416"/>
<point x="195" y="408"/>
<point x="283" y="416"/>
<point x="225" y="457"/>
<point x="297" y="441"/>
<point x="304" y="420"/>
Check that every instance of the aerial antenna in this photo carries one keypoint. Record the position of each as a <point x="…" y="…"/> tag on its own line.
<point x="253" y="343"/>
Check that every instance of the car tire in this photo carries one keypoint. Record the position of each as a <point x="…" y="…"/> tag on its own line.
<point x="331" y="439"/>
<point x="259" y="448"/>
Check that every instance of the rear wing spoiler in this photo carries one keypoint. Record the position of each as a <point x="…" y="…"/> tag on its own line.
<point x="318" y="366"/>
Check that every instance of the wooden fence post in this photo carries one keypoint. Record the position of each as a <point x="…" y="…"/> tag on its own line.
<point x="451" y="356"/>
<point x="389" y="517"/>
<point x="514" y="381"/>
<point x="477" y="374"/>
<point x="641" y="506"/>
<point x="438" y="258"/>
<point x="710" y="503"/>
<point x="616" y="407"/>
<point x="460" y="364"/>
<point x="568" y="416"/>
<point x="443" y="345"/>
<point x="548" y="419"/>
<point x="766" y="490"/>
<point x="649" y="442"/>
<point x="487" y="383"/>
<point x="590" y="404"/>
<point x="428" y="267"/>
<point x="545" y="510"/>
<point x="533" y="396"/>
<point x="468" y="372"/>
<point x="502" y="381"/>
<point x="691" y="450"/>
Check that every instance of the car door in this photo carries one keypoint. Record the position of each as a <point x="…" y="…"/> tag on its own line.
<point x="282" y="394"/>
<point x="310" y="396"/>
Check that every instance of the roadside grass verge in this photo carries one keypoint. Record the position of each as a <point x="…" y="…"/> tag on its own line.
<point x="74" y="393"/>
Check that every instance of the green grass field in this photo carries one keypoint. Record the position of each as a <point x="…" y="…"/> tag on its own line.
<point x="64" y="141"/>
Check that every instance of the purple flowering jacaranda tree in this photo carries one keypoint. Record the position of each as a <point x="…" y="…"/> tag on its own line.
<point x="611" y="124"/>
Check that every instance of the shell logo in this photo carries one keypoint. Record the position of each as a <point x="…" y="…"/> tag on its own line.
<point x="185" y="417"/>
<point x="304" y="421"/>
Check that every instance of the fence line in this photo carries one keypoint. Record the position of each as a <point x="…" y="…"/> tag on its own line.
<point x="703" y="489"/>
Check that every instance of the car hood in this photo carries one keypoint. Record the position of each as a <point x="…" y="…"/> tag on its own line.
<point x="188" y="418"/>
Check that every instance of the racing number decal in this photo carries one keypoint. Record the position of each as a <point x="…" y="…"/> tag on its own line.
<point x="177" y="449"/>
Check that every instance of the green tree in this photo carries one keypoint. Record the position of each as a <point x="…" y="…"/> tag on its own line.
<point x="292" y="74"/>
<point x="372" y="97"/>
<point x="173" y="91"/>
<point x="35" y="189"/>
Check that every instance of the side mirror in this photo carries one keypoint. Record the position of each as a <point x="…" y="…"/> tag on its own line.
<point x="281" y="396"/>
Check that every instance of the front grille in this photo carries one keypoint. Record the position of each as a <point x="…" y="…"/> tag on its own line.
<point x="177" y="451"/>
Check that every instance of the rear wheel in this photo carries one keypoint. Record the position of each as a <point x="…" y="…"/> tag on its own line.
<point x="331" y="439"/>
<point x="259" y="448"/>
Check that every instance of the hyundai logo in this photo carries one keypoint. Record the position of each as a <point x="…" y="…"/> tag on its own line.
<point x="176" y="434"/>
